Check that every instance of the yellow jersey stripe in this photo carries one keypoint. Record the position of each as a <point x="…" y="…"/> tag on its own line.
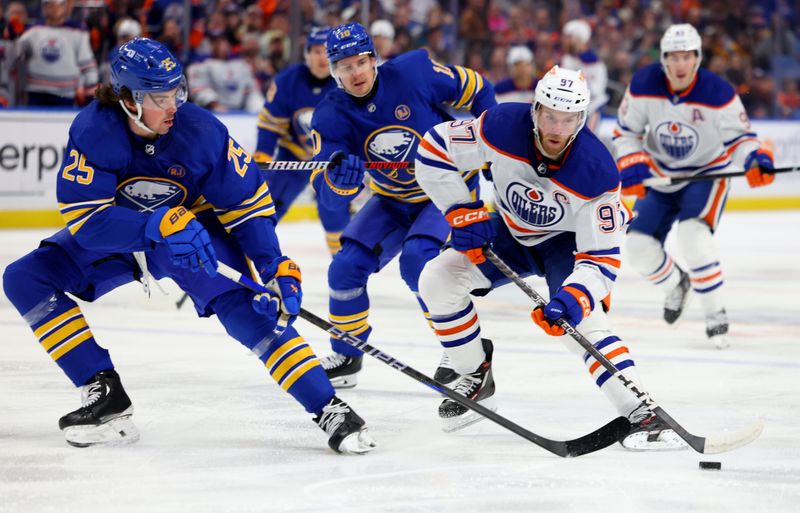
<point x="298" y="373"/>
<point x="44" y="328"/>
<point x="293" y="359"/>
<point x="284" y="349"/>
<point x="68" y="346"/>
<point x="67" y="331"/>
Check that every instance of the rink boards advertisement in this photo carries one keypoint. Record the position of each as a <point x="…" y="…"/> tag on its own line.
<point x="32" y="145"/>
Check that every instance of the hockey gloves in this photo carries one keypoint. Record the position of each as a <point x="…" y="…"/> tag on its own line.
<point x="572" y="303"/>
<point x="283" y="277"/>
<point x="759" y="166"/>
<point x="345" y="174"/>
<point x="187" y="240"/>
<point x="633" y="170"/>
<point x="471" y="229"/>
<point x="268" y="305"/>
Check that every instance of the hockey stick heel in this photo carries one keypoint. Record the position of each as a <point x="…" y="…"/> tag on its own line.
<point x="594" y="441"/>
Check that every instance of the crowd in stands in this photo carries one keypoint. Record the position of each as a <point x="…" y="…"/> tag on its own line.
<point x="754" y="44"/>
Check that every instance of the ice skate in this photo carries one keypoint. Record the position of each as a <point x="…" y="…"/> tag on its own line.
<point x="104" y="417"/>
<point x="342" y="370"/>
<point x="478" y="386"/>
<point x="346" y="430"/>
<point x="677" y="299"/>
<point x="717" y="329"/>
<point x="445" y="374"/>
<point x="649" y="433"/>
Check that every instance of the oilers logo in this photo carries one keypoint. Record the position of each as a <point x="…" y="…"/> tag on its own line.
<point x="301" y="122"/>
<point x="146" y="194"/>
<point x="530" y="205"/>
<point x="677" y="139"/>
<point x="50" y="50"/>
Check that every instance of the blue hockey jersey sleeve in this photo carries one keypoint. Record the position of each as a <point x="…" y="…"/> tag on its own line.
<point x="85" y="193"/>
<point x="273" y="120"/>
<point x="463" y="88"/>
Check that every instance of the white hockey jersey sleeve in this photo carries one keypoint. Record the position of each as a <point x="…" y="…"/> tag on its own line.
<point x="628" y="137"/>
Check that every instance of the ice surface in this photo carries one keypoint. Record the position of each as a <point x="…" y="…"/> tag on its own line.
<point x="219" y="436"/>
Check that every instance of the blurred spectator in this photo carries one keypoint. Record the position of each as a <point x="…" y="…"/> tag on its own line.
<point x="522" y="83"/>
<point x="789" y="100"/>
<point x="382" y="33"/>
<point x="61" y="69"/>
<point x="577" y="55"/>
<point x="125" y="30"/>
<point x="222" y="82"/>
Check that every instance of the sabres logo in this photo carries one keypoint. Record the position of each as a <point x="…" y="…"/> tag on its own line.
<point x="301" y="122"/>
<point x="147" y="193"/>
<point x="678" y="140"/>
<point x="402" y="112"/>
<point x="531" y="206"/>
<point x="393" y="143"/>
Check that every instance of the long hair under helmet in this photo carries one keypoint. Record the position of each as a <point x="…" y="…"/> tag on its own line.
<point x="563" y="90"/>
<point x="146" y="66"/>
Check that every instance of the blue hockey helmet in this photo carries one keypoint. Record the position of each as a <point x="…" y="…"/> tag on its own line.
<point x="317" y="36"/>
<point x="146" y="66"/>
<point x="348" y="40"/>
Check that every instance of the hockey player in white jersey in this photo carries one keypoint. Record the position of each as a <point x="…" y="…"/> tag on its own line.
<point x="677" y="120"/>
<point x="576" y="36"/>
<point x="559" y="215"/>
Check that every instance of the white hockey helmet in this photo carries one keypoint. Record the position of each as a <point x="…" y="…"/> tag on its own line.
<point x="564" y="90"/>
<point x="681" y="38"/>
<point x="578" y="30"/>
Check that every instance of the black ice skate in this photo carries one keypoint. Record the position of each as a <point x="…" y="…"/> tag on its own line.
<point x="649" y="433"/>
<point x="346" y="430"/>
<point x="478" y="386"/>
<point x="676" y="300"/>
<point x="445" y="374"/>
<point x="717" y="329"/>
<point x="105" y="415"/>
<point x="342" y="370"/>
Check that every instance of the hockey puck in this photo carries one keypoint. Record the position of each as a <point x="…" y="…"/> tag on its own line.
<point x="711" y="465"/>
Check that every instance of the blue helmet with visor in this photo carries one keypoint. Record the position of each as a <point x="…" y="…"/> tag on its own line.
<point x="145" y="66"/>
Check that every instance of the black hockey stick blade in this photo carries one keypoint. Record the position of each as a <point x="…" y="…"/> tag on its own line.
<point x="714" y="444"/>
<point x="594" y="441"/>
<point x="669" y="180"/>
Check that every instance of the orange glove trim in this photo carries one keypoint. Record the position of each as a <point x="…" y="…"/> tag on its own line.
<point x="641" y="157"/>
<point x="289" y="268"/>
<point x="475" y="255"/>
<point x="582" y="299"/>
<point x="638" y="190"/>
<point x="540" y="320"/>
<point x="174" y="221"/>
<point x="462" y="217"/>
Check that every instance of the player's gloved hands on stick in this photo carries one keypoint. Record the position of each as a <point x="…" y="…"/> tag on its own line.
<point x="345" y="174"/>
<point x="635" y="169"/>
<point x="759" y="167"/>
<point x="283" y="277"/>
<point x="187" y="240"/>
<point x="572" y="303"/>
<point x="471" y="229"/>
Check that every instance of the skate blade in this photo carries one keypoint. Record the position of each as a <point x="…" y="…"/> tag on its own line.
<point x="677" y="322"/>
<point x="452" y="424"/>
<point x="118" y="431"/>
<point x="721" y="341"/>
<point x="667" y="440"/>
<point x="344" y="382"/>
<point x="360" y="442"/>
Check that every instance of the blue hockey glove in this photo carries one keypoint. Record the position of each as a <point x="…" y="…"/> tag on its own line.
<point x="187" y="240"/>
<point x="759" y="167"/>
<point x="284" y="277"/>
<point x="471" y="229"/>
<point x="268" y="305"/>
<point x="633" y="170"/>
<point x="572" y="303"/>
<point x="345" y="175"/>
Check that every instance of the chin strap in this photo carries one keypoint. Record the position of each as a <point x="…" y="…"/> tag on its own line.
<point x="137" y="118"/>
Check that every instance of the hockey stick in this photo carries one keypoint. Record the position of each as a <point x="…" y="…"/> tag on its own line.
<point x="596" y="440"/>
<point x="669" y="180"/>
<point x="311" y="165"/>
<point x="179" y="303"/>
<point x="707" y="445"/>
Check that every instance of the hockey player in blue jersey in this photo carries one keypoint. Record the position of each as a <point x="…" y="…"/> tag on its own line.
<point x="155" y="187"/>
<point x="677" y="120"/>
<point x="284" y="132"/>
<point x="559" y="216"/>
<point x="379" y="114"/>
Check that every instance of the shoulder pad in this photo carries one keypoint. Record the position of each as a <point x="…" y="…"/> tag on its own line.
<point x="589" y="170"/>
<point x="650" y="81"/>
<point x="96" y="123"/>
<point x="711" y="90"/>
<point x="502" y="125"/>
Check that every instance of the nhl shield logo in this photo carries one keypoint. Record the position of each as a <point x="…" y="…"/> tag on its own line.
<point x="402" y="112"/>
<point x="678" y="140"/>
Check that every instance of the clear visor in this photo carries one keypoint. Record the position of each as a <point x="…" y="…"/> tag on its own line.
<point x="556" y="122"/>
<point x="164" y="100"/>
